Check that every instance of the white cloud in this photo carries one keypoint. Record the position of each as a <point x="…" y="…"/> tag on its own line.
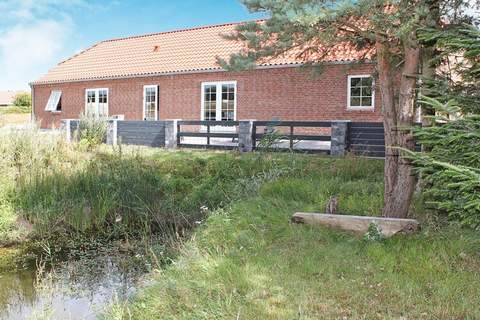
<point x="34" y="36"/>
<point x="27" y="50"/>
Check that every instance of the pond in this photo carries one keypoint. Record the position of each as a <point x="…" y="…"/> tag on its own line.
<point x="80" y="288"/>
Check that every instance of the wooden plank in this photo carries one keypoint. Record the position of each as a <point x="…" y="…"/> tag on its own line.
<point x="362" y="135"/>
<point x="204" y="123"/>
<point x="259" y="136"/>
<point x="375" y="142"/>
<point x="141" y="138"/>
<point x="143" y="142"/>
<point x="211" y="134"/>
<point x="320" y="124"/>
<point x="207" y="146"/>
<point x="358" y="224"/>
<point x="296" y="150"/>
<point x="367" y="130"/>
<point x="365" y="124"/>
<point x="362" y="147"/>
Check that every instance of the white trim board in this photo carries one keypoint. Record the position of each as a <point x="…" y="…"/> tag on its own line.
<point x="349" y="89"/>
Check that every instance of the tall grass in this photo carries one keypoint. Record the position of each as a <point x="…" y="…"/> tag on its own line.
<point x="60" y="189"/>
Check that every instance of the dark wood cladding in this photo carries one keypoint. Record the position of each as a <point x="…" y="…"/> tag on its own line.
<point x="367" y="139"/>
<point x="145" y="133"/>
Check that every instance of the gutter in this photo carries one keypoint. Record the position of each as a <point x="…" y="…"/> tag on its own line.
<point x="32" y="93"/>
<point x="211" y="70"/>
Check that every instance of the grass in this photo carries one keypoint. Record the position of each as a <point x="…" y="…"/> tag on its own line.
<point x="15" y="110"/>
<point x="247" y="261"/>
<point x="14" y="119"/>
<point x="244" y="259"/>
<point x="51" y="189"/>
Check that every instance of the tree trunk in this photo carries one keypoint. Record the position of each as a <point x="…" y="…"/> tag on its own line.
<point x="397" y="119"/>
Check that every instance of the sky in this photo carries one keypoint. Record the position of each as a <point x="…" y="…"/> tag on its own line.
<point x="37" y="34"/>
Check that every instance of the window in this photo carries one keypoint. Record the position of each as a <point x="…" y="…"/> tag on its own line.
<point x="361" y="93"/>
<point x="54" y="103"/>
<point x="219" y="101"/>
<point x="150" y="102"/>
<point x="96" y="103"/>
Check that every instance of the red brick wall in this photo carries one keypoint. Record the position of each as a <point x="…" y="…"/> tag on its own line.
<point x="284" y="93"/>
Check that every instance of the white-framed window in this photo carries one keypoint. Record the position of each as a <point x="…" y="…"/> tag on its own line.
<point x="150" y="103"/>
<point x="361" y="92"/>
<point x="54" y="103"/>
<point x="219" y="101"/>
<point x="96" y="102"/>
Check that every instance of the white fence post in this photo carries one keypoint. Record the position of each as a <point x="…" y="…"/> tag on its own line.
<point x="68" y="131"/>
<point x="171" y="134"/>
<point x="245" y="136"/>
<point x="112" y="132"/>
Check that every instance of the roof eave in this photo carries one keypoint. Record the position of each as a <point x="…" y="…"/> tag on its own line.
<point x="193" y="71"/>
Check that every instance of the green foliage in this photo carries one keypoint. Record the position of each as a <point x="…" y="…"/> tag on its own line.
<point x="451" y="189"/>
<point x="313" y="29"/>
<point x="23" y="100"/>
<point x="451" y="138"/>
<point x="15" y="109"/>
<point x="91" y="132"/>
<point x="374" y="233"/>
<point x="271" y="140"/>
<point x="458" y="52"/>
<point x="450" y="165"/>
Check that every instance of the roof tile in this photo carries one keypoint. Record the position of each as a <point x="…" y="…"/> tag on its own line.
<point x="179" y="51"/>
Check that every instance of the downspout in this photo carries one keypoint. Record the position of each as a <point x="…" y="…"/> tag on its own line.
<point x="32" y="112"/>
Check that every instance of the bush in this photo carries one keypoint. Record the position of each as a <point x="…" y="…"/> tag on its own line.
<point x="23" y="100"/>
<point x="91" y="132"/>
<point x="452" y="189"/>
<point x="450" y="169"/>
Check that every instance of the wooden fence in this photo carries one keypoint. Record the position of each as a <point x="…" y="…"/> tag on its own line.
<point x="208" y="134"/>
<point x="359" y="138"/>
<point x="306" y="136"/>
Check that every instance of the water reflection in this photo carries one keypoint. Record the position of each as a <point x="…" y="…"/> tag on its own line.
<point x="77" y="289"/>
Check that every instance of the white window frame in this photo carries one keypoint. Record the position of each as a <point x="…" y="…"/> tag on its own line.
<point x="156" y="100"/>
<point x="218" y="111"/>
<point x="52" y="107"/>
<point x="97" y="94"/>
<point x="367" y="108"/>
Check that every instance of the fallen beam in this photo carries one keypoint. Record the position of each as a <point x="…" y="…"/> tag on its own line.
<point x="357" y="224"/>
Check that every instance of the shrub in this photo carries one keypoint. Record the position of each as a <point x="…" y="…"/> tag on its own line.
<point x="452" y="189"/>
<point x="91" y="132"/>
<point x="23" y="100"/>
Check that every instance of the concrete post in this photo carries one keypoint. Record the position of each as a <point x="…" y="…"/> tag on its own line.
<point x="245" y="136"/>
<point x="171" y="134"/>
<point x="339" y="131"/>
<point x="112" y="132"/>
<point x="65" y="126"/>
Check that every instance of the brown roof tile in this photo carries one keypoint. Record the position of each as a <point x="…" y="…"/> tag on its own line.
<point x="189" y="50"/>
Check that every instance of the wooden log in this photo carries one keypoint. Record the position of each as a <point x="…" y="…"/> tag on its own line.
<point x="357" y="224"/>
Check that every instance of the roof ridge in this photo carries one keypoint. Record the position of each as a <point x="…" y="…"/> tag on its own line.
<point x="182" y="30"/>
<point x="80" y="52"/>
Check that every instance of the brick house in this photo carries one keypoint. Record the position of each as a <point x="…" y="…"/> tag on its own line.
<point x="175" y="75"/>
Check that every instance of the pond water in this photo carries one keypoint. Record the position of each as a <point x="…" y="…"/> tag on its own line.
<point x="77" y="289"/>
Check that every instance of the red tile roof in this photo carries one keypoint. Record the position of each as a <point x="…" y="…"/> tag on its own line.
<point x="182" y="51"/>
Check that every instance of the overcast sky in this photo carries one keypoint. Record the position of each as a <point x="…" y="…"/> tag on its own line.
<point x="36" y="34"/>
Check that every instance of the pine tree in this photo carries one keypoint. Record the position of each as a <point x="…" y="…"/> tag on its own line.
<point x="451" y="166"/>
